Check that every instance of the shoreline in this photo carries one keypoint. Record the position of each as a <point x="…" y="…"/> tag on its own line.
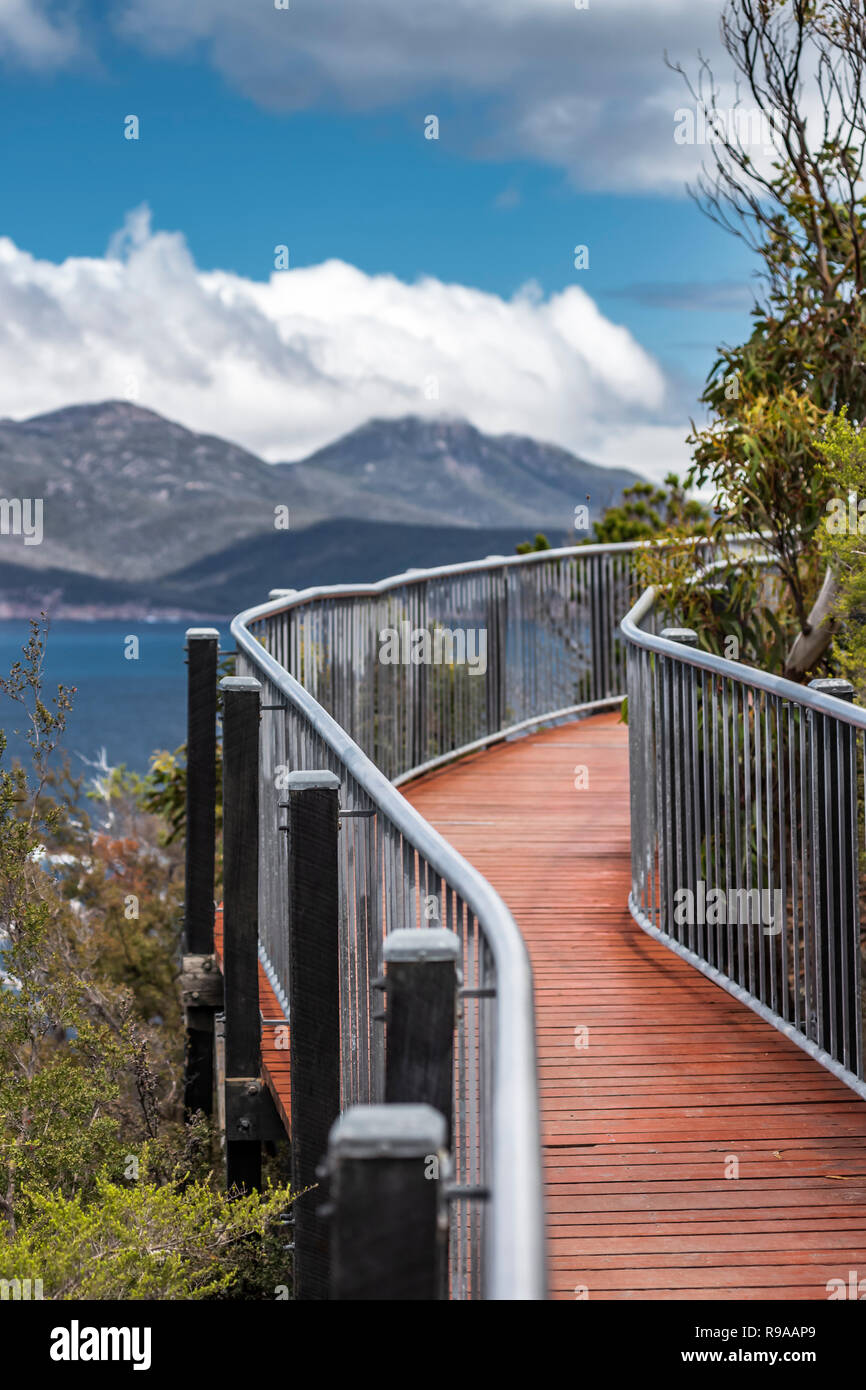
<point x="17" y="611"/>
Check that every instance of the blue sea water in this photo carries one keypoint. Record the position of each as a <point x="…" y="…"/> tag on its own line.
<point x="128" y="707"/>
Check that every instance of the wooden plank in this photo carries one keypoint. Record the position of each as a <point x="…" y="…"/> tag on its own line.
<point x="676" y="1077"/>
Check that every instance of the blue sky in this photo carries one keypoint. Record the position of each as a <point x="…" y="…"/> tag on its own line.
<point x="333" y="162"/>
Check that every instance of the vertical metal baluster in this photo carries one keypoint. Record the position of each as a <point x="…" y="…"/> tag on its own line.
<point x="652" y="791"/>
<point x="634" y="788"/>
<point x="696" y="808"/>
<point x="659" y="740"/>
<point x="363" y="829"/>
<point x="705" y="838"/>
<point x="756" y="928"/>
<point x="723" y="839"/>
<point x="809" y="757"/>
<point x="411" y="909"/>
<point x="740" y="820"/>
<point x="856" y="945"/>
<point x="748" y="706"/>
<point x="677" y="787"/>
<point x="665" y="739"/>
<point x="635" y="682"/>
<point x="487" y="1009"/>
<point x="792" y="973"/>
<point x="461" y="1234"/>
<point x="400" y="867"/>
<point x="780" y="993"/>
<point x="471" y="1008"/>
<point x="844" y="834"/>
<point x="681" y="676"/>
<point x="827" y="937"/>
<point x="768" y="936"/>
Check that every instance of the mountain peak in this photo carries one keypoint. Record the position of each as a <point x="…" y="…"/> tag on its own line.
<point x="130" y="495"/>
<point x="98" y="415"/>
<point x="407" y="427"/>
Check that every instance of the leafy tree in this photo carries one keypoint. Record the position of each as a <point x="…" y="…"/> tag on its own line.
<point x="720" y="592"/>
<point x="843" y="543"/>
<point x="148" y="1240"/>
<point x="763" y="462"/>
<point x="529" y="547"/>
<point x="802" y="212"/>
<point x="647" y="511"/>
<point x="90" y="1045"/>
<point x="59" y="1033"/>
<point x="643" y="512"/>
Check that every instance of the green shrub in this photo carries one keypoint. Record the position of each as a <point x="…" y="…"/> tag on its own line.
<point x="149" y="1241"/>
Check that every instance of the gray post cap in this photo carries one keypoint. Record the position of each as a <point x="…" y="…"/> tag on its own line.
<point x="201" y="634"/>
<point x="230" y="683"/>
<point x="422" y="944"/>
<point x="387" y="1131"/>
<point x="302" y="781"/>
<point x="843" y="690"/>
<point x="686" y="635"/>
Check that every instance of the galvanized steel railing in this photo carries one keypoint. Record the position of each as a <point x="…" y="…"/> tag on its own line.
<point x="747" y="825"/>
<point x="551" y="648"/>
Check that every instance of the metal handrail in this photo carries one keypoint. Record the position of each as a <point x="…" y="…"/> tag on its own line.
<point x="756" y="782"/>
<point x="517" y="1261"/>
<point x="421" y="576"/>
<point x="291" y="600"/>
<point x="552" y="625"/>
<point x="734" y="670"/>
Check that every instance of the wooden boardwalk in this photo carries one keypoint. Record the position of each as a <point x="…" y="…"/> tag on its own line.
<point x="674" y="1086"/>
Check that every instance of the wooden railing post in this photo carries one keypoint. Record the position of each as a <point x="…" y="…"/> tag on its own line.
<point x="835" y="879"/>
<point x="243" y="1029"/>
<point x="385" y="1165"/>
<point x="314" y="1009"/>
<point x="201" y="981"/>
<point x="421" y="981"/>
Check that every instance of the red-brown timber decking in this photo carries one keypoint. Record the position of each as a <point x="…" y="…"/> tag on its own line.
<point x="678" y="1084"/>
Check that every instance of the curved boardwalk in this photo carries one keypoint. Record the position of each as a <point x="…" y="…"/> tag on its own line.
<point x="677" y="1085"/>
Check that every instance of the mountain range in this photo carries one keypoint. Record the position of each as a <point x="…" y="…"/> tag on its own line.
<point x="140" y="511"/>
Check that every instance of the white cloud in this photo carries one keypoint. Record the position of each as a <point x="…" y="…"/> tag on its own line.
<point x="34" y="35"/>
<point x="587" y="90"/>
<point x="287" y="365"/>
